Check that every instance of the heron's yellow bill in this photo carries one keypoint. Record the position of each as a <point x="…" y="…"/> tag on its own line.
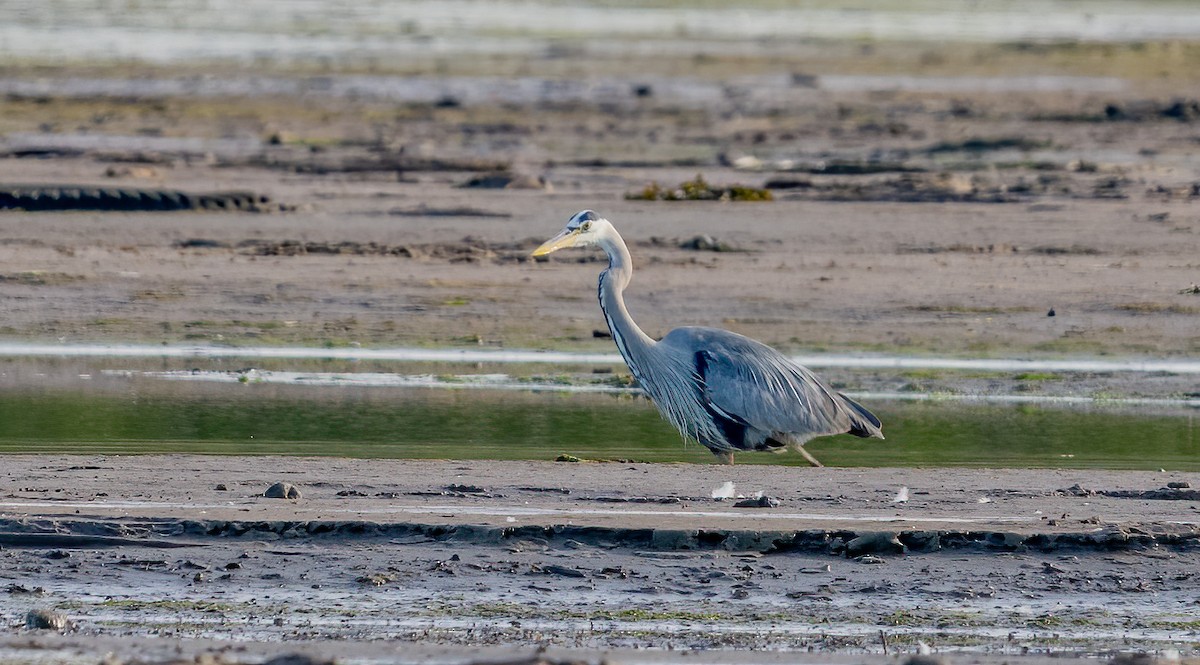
<point x="560" y="241"/>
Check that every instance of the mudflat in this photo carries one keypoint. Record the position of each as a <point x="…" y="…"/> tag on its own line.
<point x="596" y="558"/>
<point x="1025" y="193"/>
<point x="915" y="213"/>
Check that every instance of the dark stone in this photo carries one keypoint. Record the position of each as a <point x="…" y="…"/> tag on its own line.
<point x="881" y="542"/>
<point x="760" y="502"/>
<point x="45" y="620"/>
<point x="298" y="659"/>
<point x="282" y="491"/>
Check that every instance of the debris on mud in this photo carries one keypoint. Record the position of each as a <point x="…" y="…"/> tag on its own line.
<point x="1136" y="110"/>
<point x="505" y="180"/>
<point x="979" y="145"/>
<point x="758" y="502"/>
<point x="700" y="190"/>
<point x="375" y="579"/>
<point x="1174" y="491"/>
<point x="459" y="211"/>
<point x="848" y="167"/>
<point x="706" y="243"/>
<point x="468" y="250"/>
<point x="563" y="571"/>
<point x="39" y="278"/>
<point x="916" y="188"/>
<point x="340" y="161"/>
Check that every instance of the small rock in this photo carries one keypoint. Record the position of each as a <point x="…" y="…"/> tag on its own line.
<point x="869" y="558"/>
<point x="298" y="659"/>
<point x="131" y="172"/>
<point x="45" y="620"/>
<point x="58" y="554"/>
<point x="1132" y="659"/>
<point x="760" y="502"/>
<point x="1181" y="485"/>
<point x="564" y="571"/>
<point x="282" y="491"/>
<point x="882" y="542"/>
<point x="706" y="243"/>
<point x="221" y="487"/>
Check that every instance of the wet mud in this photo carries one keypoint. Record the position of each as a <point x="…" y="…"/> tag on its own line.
<point x="505" y="553"/>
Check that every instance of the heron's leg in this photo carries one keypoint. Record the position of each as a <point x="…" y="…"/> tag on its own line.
<point x="808" y="456"/>
<point x="725" y="456"/>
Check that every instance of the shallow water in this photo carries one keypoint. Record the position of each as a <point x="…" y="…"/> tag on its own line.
<point x="401" y="354"/>
<point x="311" y="32"/>
<point x="398" y="422"/>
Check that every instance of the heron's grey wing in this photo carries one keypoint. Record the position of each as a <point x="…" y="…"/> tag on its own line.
<point x="755" y="385"/>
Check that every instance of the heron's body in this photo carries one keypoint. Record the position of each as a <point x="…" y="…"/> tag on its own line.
<point x="722" y="389"/>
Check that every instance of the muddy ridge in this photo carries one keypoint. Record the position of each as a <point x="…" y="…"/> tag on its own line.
<point x="170" y="533"/>
<point x="58" y="198"/>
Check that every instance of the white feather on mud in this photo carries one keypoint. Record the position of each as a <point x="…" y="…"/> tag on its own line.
<point x="724" y="491"/>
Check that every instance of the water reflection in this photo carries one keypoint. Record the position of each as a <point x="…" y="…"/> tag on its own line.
<point x="423" y="423"/>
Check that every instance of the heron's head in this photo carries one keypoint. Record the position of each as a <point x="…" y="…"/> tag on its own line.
<point x="584" y="229"/>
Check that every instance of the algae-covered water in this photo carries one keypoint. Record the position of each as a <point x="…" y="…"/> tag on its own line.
<point x="485" y="424"/>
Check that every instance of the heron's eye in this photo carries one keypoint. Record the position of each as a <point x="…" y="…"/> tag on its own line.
<point x="585" y="226"/>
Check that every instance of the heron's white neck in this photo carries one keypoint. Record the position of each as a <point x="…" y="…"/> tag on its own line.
<point x="631" y="341"/>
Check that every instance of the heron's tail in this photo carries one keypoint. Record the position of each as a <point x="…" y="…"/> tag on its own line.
<point x="862" y="422"/>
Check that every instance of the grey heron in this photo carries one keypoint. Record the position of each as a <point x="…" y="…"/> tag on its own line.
<point x="722" y="389"/>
